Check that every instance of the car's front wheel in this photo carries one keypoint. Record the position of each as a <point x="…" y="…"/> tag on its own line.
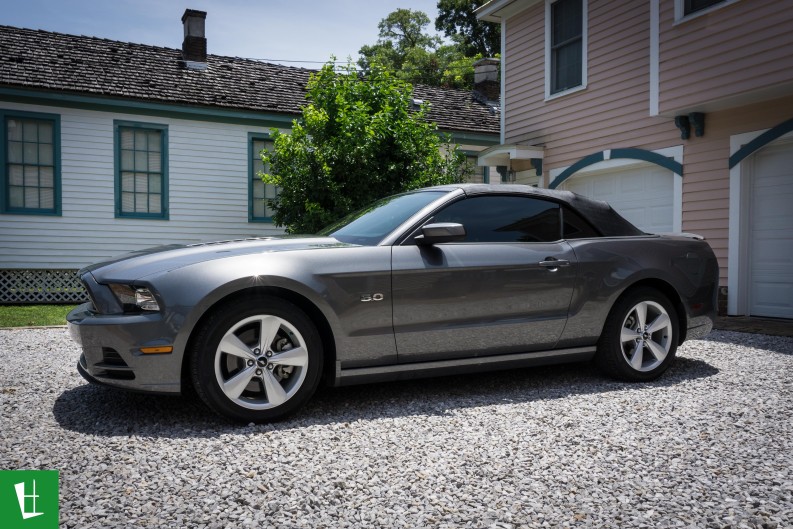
<point x="640" y="337"/>
<point x="258" y="360"/>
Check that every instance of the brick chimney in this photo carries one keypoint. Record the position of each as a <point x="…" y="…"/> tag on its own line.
<point x="486" y="83"/>
<point x="194" y="46"/>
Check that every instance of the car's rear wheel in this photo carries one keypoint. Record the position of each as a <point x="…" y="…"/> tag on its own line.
<point x="639" y="339"/>
<point x="256" y="361"/>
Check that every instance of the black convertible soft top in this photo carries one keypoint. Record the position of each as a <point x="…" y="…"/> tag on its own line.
<point x="599" y="213"/>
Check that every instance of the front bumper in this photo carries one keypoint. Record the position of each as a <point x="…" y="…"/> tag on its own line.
<point x="111" y="346"/>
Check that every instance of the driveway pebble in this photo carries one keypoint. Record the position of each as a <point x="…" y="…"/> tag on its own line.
<point x="710" y="444"/>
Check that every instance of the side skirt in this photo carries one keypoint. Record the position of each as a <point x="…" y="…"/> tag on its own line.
<point x="366" y="375"/>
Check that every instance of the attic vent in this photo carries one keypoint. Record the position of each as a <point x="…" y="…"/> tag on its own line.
<point x="415" y="104"/>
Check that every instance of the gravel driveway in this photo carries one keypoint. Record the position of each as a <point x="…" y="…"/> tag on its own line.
<point x="708" y="445"/>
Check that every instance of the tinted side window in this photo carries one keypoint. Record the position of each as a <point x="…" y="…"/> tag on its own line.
<point x="575" y="227"/>
<point x="504" y="219"/>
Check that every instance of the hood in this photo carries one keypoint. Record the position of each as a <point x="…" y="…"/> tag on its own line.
<point x="135" y="265"/>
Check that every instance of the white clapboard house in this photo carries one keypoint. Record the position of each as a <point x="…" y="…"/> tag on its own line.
<point x="110" y="147"/>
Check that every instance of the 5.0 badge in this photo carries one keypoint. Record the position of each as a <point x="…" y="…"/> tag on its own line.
<point x="372" y="297"/>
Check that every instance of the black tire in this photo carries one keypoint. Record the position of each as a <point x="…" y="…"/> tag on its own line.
<point x="243" y="379"/>
<point x="631" y="349"/>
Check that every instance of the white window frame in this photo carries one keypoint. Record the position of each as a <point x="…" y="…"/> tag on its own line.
<point x="584" y="54"/>
<point x="680" y="16"/>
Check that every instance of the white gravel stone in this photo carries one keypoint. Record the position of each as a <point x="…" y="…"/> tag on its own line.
<point x="710" y="444"/>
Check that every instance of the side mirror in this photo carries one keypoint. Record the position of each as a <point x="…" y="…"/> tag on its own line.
<point x="440" y="232"/>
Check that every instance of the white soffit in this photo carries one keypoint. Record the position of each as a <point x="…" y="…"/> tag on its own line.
<point x="498" y="10"/>
<point x="502" y="154"/>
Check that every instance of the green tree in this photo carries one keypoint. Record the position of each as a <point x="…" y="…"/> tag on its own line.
<point x="457" y="20"/>
<point x="406" y="28"/>
<point x="358" y="140"/>
<point x="404" y="47"/>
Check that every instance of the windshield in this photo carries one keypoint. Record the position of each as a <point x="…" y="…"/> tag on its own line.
<point x="372" y="224"/>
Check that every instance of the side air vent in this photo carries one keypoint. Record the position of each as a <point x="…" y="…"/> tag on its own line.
<point x="113" y="366"/>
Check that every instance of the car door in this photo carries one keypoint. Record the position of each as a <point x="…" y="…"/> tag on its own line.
<point x="505" y="288"/>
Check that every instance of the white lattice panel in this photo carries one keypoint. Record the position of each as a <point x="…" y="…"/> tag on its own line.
<point x="41" y="286"/>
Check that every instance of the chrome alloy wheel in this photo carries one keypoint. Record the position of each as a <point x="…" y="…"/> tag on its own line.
<point x="261" y="362"/>
<point x="646" y="336"/>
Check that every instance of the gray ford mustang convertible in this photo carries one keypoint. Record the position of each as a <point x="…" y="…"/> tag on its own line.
<point x="450" y="279"/>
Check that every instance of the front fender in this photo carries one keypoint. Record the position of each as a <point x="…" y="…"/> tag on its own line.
<point x="333" y="280"/>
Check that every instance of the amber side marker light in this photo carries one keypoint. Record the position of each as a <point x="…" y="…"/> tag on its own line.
<point x="157" y="350"/>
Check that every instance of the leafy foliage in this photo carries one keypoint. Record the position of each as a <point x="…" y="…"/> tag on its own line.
<point x="457" y="20"/>
<point x="406" y="28"/>
<point x="405" y="47"/>
<point x="358" y="140"/>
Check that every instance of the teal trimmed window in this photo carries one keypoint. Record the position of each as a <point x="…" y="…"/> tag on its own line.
<point x="141" y="152"/>
<point x="30" y="160"/>
<point x="480" y="174"/>
<point x="259" y="193"/>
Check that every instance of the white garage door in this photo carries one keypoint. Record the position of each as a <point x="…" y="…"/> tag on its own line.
<point x="771" y="233"/>
<point x="644" y="196"/>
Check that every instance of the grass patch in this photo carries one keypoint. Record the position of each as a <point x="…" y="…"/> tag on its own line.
<point x="33" y="315"/>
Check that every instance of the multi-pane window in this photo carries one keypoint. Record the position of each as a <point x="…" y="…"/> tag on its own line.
<point x="479" y="174"/>
<point x="692" y="6"/>
<point x="260" y="193"/>
<point x="141" y="174"/>
<point x="566" y="45"/>
<point x="30" y="160"/>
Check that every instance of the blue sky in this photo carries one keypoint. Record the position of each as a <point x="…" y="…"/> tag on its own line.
<point x="278" y="30"/>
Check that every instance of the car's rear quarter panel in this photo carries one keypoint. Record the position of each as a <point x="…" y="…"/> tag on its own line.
<point x="610" y="266"/>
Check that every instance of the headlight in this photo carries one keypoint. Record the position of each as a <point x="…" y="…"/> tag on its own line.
<point x="134" y="299"/>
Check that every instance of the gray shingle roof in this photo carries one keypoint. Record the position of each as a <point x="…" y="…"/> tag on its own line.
<point x="101" y="67"/>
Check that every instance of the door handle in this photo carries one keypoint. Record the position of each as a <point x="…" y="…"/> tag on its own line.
<point x="553" y="264"/>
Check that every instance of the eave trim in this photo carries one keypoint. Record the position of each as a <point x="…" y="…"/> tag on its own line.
<point x="503" y="154"/>
<point x="499" y="10"/>
<point x="106" y="104"/>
